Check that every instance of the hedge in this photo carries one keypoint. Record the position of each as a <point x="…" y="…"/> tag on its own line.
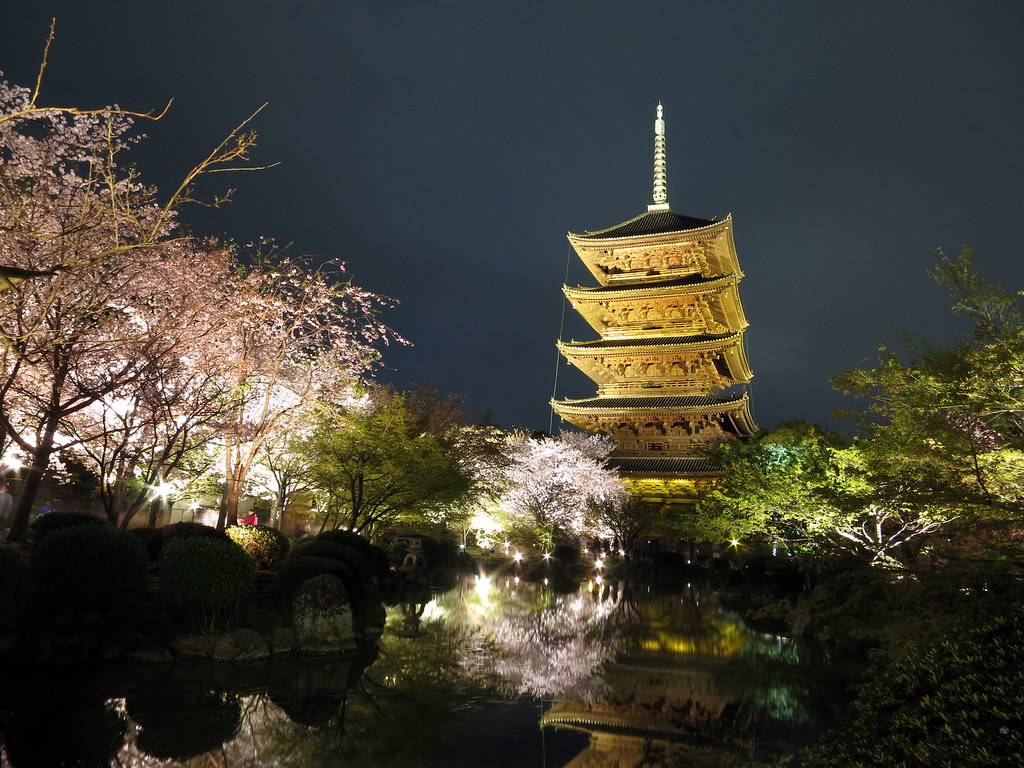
<point x="89" y="566"/>
<point x="205" y="577"/>
<point x="267" y="546"/>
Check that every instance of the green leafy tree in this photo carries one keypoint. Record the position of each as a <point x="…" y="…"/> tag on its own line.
<point x="775" y="482"/>
<point x="944" y="428"/>
<point x="383" y="459"/>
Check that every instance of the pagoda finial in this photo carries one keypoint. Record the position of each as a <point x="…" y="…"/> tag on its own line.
<point x="660" y="166"/>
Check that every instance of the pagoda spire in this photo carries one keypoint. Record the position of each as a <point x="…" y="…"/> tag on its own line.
<point x="660" y="166"/>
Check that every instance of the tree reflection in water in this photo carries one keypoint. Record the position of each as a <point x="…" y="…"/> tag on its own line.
<point x="640" y="678"/>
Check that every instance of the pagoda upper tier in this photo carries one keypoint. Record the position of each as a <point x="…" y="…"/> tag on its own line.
<point x="688" y="306"/>
<point x="661" y="426"/>
<point x="659" y="246"/>
<point x="661" y="365"/>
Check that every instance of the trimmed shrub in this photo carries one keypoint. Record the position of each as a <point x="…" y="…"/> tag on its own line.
<point x="205" y="577"/>
<point x="267" y="546"/>
<point x="42" y="526"/>
<point x="296" y="570"/>
<point x="89" y="566"/>
<point x="15" y="581"/>
<point x="318" y="547"/>
<point x="182" y="530"/>
<point x="440" y="553"/>
<point x="377" y="557"/>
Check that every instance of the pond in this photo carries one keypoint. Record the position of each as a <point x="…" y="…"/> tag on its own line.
<point x="493" y="672"/>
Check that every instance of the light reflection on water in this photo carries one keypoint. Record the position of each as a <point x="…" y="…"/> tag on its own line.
<point x="492" y="672"/>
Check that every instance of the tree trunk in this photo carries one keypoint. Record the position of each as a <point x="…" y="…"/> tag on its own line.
<point x="229" y="510"/>
<point x="30" y="488"/>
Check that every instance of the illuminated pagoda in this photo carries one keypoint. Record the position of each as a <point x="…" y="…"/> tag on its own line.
<point x="670" y="364"/>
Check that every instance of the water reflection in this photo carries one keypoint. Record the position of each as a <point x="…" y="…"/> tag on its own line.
<point x="614" y="676"/>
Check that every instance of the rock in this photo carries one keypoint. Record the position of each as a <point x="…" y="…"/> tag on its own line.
<point x="282" y="640"/>
<point x="240" y="645"/>
<point x="322" y="616"/>
<point x="188" y="646"/>
<point x="151" y="652"/>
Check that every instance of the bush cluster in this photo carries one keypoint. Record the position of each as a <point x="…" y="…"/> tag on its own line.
<point x="955" y="701"/>
<point x="183" y="530"/>
<point x="205" y="577"/>
<point x="42" y="526"/>
<point x="376" y="556"/>
<point x="266" y="546"/>
<point x="339" y="554"/>
<point x="15" y="581"/>
<point x="89" y="566"/>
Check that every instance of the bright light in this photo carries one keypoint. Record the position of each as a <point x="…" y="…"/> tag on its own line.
<point x="547" y="555"/>
<point x="163" y="490"/>
<point x="483" y="586"/>
<point x="734" y="542"/>
<point x="599" y="563"/>
<point x="518" y="556"/>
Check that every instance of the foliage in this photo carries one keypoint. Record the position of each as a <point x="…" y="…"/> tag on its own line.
<point x="89" y="566"/>
<point x="297" y="570"/>
<point x="627" y="517"/>
<point x="377" y="557"/>
<point x="384" y="458"/>
<point x="205" y="577"/>
<point x="43" y="525"/>
<point x="182" y="530"/>
<point x="955" y="701"/>
<point x="93" y="263"/>
<point x="554" y="487"/>
<point x="944" y="428"/>
<point x="14" y="576"/>
<point x="352" y="557"/>
<point x="300" y="334"/>
<point x="798" y="487"/>
<point x="266" y="546"/>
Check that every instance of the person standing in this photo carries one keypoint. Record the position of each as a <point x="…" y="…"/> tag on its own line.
<point x="6" y="505"/>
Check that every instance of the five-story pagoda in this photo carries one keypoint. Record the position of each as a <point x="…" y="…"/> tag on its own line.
<point x="670" y="364"/>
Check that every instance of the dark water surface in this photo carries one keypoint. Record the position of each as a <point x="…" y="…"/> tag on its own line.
<point x="490" y="673"/>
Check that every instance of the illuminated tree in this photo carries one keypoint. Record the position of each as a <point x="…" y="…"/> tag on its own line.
<point x="554" y="486"/>
<point x="101" y="310"/>
<point x="944" y="429"/>
<point x="296" y="334"/>
<point x="155" y="430"/>
<point x="385" y="457"/>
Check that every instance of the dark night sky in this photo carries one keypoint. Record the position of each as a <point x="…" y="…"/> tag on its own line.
<point x="443" y="149"/>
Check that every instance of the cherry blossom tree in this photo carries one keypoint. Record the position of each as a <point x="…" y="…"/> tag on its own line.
<point x="298" y="334"/>
<point x="93" y="263"/>
<point x="555" y="485"/>
<point x="139" y="439"/>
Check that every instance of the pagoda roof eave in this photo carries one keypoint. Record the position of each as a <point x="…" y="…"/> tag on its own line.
<point x="646" y="344"/>
<point x="650" y="224"/>
<point x="737" y="407"/>
<point x="650" y="404"/>
<point x="667" y="467"/>
<point x="684" y="286"/>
